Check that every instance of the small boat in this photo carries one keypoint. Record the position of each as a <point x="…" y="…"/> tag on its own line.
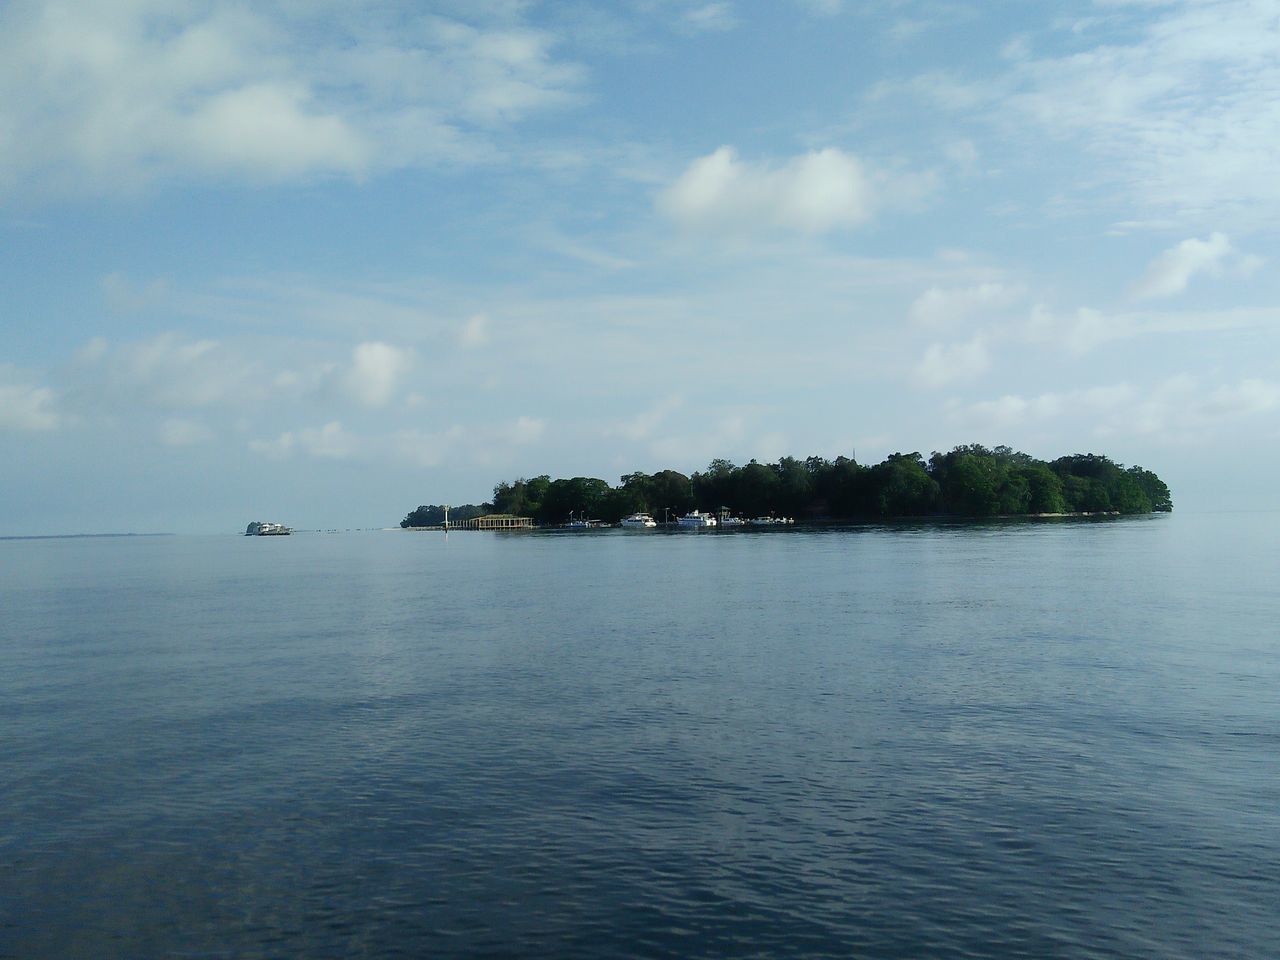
<point x="260" y="528"/>
<point x="728" y="521"/>
<point x="770" y="521"/>
<point x="638" y="521"/>
<point x="697" y="519"/>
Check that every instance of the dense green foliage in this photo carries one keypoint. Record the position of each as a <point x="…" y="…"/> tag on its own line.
<point x="969" y="481"/>
<point x="432" y="515"/>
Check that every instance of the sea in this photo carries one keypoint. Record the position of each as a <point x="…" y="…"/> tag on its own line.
<point x="1041" y="739"/>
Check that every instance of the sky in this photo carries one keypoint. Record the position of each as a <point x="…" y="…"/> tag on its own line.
<point x="320" y="262"/>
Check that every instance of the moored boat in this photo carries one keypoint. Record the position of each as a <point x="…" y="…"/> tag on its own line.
<point x="638" y="521"/>
<point x="697" y="519"/>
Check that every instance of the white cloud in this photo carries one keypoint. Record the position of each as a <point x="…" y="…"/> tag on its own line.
<point x="1246" y="398"/>
<point x="1185" y="115"/>
<point x="1011" y="410"/>
<point x="271" y="130"/>
<point x="963" y="154"/>
<point x="425" y="449"/>
<point x="644" y="425"/>
<point x="330" y="442"/>
<point x="1079" y="332"/>
<point x="1169" y="273"/>
<point x="168" y="371"/>
<point x="96" y="96"/>
<point x="945" y="364"/>
<point x="122" y="296"/>
<point x="474" y="331"/>
<point x="376" y="370"/>
<point x="725" y="430"/>
<point x="1092" y="328"/>
<point x="457" y="444"/>
<point x="25" y="407"/>
<point x="1175" y="408"/>
<point x="525" y="430"/>
<point x="706" y="17"/>
<point x="1249" y="264"/>
<point x="1087" y="328"/>
<point x="822" y="8"/>
<point x="938" y="307"/>
<point x="1175" y="106"/>
<point x="486" y="444"/>
<point x="173" y="374"/>
<point x="812" y="193"/>
<point x="176" y="432"/>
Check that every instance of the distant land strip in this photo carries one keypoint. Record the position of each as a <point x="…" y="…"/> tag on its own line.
<point x="968" y="481"/>
<point x="77" y="536"/>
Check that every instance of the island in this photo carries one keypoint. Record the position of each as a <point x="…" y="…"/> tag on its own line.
<point x="968" y="481"/>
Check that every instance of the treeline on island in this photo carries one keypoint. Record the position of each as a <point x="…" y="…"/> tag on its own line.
<point x="969" y="481"/>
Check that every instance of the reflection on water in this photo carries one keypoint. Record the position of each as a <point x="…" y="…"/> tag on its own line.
<point x="1048" y="740"/>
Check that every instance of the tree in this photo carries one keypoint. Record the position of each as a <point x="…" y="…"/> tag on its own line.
<point x="577" y="497"/>
<point x="754" y="490"/>
<point x="1154" y="488"/>
<point x="901" y="487"/>
<point x="671" y="490"/>
<point x="1045" y="488"/>
<point x="433" y="515"/>
<point x="971" y="484"/>
<point x="1093" y="483"/>
<point x="714" y="488"/>
<point x="521" y="498"/>
<point x="795" y="486"/>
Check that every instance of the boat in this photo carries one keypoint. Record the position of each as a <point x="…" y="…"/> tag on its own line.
<point x="697" y="519"/>
<point x="261" y="528"/>
<point x="770" y="521"/>
<point x="728" y="521"/>
<point x="638" y="521"/>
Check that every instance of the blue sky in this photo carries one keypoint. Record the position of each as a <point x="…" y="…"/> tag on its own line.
<point x="323" y="262"/>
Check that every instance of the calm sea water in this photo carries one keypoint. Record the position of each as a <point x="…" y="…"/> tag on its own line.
<point x="1022" y="740"/>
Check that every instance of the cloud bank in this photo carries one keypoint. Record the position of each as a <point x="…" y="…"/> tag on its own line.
<point x="98" y="96"/>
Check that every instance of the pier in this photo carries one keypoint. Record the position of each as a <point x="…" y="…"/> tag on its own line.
<point x="493" y="521"/>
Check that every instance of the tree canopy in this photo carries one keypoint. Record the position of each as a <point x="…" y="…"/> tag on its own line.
<point x="968" y="481"/>
<point x="432" y="515"/>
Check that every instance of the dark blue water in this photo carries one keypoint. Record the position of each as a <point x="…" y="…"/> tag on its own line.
<point x="1029" y="740"/>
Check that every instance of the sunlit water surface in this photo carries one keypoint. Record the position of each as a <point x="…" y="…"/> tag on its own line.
<point x="1043" y="740"/>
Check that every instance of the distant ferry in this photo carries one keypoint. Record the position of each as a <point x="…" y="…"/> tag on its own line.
<point x="638" y="521"/>
<point x="697" y="519"/>
<point x="260" y="528"/>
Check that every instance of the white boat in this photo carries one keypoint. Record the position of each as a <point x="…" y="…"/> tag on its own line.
<point x="770" y="521"/>
<point x="582" y="524"/>
<point x="261" y="528"/>
<point x="728" y="521"/>
<point x="697" y="519"/>
<point x="638" y="521"/>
